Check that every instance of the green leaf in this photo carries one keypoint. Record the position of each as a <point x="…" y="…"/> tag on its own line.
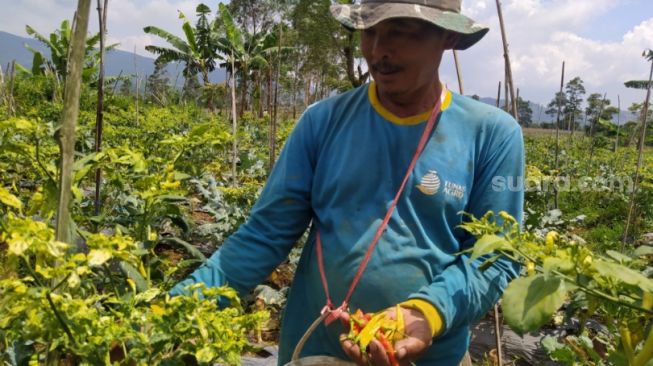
<point x="206" y="354"/>
<point x="558" y="351"/>
<point x="9" y="199"/>
<point x="174" y="241"/>
<point x="488" y="244"/>
<point x="485" y="265"/>
<point x="621" y="258"/>
<point x="530" y="302"/>
<point x="131" y="272"/>
<point x="643" y="251"/>
<point x="172" y="198"/>
<point x="623" y="274"/>
<point x="148" y="295"/>
<point x="562" y="264"/>
<point x="98" y="257"/>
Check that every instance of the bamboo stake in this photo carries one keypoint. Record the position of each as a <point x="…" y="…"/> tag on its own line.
<point x="273" y="132"/>
<point x="497" y="335"/>
<point x="497" y="320"/>
<point x="72" y="91"/>
<point x="506" y="105"/>
<point x="616" y="142"/>
<point x="507" y="61"/>
<point x="99" y="117"/>
<point x="2" y="86"/>
<point x="234" y="126"/>
<point x="640" y="154"/>
<point x="138" y="87"/>
<point x="499" y="95"/>
<point x="12" y="76"/>
<point x="555" y="167"/>
<point x="458" y="73"/>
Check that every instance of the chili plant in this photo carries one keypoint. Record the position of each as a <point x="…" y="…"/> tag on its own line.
<point x="610" y="288"/>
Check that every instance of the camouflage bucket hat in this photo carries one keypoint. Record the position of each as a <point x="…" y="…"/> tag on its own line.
<point x="443" y="13"/>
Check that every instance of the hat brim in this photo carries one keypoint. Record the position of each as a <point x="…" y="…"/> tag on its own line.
<point x="363" y="16"/>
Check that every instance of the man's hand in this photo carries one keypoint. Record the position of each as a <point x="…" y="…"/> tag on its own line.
<point x="417" y="339"/>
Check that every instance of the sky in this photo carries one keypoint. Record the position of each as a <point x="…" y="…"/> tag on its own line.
<point x="601" y="41"/>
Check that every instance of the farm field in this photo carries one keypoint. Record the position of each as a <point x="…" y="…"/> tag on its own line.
<point x="168" y="201"/>
<point x="173" y="171"/>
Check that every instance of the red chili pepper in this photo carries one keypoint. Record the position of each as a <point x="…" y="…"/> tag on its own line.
<point x="389" y="349"/>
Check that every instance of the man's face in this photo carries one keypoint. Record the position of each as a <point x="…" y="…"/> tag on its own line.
<point x="404" y="54"/>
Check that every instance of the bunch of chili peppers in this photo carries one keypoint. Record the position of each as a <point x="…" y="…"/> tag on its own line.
<point x="364" y="327"/>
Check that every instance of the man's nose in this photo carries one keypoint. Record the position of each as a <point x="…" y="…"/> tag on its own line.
<point x="379" y="47"/>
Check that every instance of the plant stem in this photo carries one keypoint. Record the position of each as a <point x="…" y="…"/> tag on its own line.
<point x="646" y="353"/>
<point x="627" y="343"/>
<point x="51" y="302"/>
<point x="590" y="291"/>
<point x="70" y="114"/>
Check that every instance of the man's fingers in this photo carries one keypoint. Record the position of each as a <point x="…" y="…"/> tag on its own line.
<point x="352" y="351"/>
<point x="409" y="348"/>
<point x="378" y="355"/>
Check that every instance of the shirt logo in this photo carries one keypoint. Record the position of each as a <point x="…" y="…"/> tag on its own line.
<point x="430" y="183"/>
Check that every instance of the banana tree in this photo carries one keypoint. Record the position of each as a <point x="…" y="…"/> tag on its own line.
<point x="58" y="44"/>
<point x="197" y="51"/>
<point x="247" y="52"/>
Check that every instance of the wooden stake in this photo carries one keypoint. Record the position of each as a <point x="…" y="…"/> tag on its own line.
<point x="507" y="62"/>
<point x="555" y="167"/>
<point x="72" y="92"/>
<point x="506" y="103"/>
<point x="12" y="77"/>
<point x="459" y="73"/>
<point x="234" y="126"/>
<point x="499" y="95"/>
<point x="138" y="86"/>
<point x="99" y="117"/>
<point x="497" y="320"/>
<point x="640" y="154"/>
<point x="273" y="129"/>
<point x="616" y="141"/>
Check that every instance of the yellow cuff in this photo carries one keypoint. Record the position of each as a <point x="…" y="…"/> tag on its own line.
<point x="430" y="313"/>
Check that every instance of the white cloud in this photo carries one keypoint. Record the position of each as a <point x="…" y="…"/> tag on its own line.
<point x="541" y="35"/>
<point x="126" y="18"/>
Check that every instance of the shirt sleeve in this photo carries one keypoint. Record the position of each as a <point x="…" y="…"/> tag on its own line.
<point x="277" y="220"/>
<point x="462" y="293"/>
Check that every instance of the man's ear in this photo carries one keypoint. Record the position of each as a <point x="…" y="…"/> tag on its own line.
<point x="451" y="40"/>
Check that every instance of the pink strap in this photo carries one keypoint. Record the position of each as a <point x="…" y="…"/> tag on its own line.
<point x="336" y="312"/>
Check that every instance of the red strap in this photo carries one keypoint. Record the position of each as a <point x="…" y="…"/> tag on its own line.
<point x="335" y="312"/>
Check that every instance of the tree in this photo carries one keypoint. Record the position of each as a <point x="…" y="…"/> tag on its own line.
<point x="126" y="87"/>
<point x="197" y="51"/>
<point x="598" y="108"/>
<point x="246" y="52"/>
<point x="58" y="44"/>
<point x="574" y="92"/>
<point x="254" y="16"/>
<point x="158" y="85"/>
<point x="524" y="111"/>
<point x="324" y="43"/>
<point x="560" y="99"/>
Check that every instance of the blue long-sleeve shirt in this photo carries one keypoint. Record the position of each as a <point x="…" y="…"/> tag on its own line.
<point x="340" y="170"/>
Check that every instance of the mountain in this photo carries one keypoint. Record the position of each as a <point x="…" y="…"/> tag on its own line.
<point x="539" y="114"/>
<point x="117" y="61"/>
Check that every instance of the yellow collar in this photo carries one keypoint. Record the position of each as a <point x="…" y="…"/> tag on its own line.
<point x="412" y="120"/>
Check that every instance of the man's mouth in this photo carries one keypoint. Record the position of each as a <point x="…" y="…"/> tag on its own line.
<point x="385" y="68"/>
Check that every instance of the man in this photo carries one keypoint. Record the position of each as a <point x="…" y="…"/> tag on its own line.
<point x="340" y="171"/>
